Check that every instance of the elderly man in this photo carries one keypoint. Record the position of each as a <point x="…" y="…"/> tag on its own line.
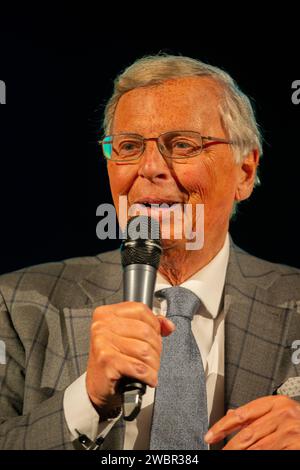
<point x="177" y="131"/>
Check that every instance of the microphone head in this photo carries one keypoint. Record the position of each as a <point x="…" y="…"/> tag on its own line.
<point x="143" y="243"/>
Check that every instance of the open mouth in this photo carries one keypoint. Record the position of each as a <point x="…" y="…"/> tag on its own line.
<point x="158" y="209"/>
<point x="158" y="203"/>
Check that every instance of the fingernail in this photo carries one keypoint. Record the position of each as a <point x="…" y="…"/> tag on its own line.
<point x="209" y="436"/>
<point x="171" y="324"/>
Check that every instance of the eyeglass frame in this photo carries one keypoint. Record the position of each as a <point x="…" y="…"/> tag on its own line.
<point x="214" y="140"/>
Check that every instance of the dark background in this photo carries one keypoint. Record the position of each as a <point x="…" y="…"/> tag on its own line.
<point x="59" y="71"/>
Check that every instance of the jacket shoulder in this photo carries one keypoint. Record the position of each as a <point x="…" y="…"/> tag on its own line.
<point x="54" y="281"/>
<point x="282" y="280"/>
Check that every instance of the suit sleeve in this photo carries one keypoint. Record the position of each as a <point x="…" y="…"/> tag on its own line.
<point x="44" y="427"/>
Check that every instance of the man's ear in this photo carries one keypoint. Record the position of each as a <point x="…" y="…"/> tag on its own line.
<point x="246" y="176"/>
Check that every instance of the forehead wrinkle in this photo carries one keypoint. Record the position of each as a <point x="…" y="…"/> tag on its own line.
<point x="187" y="103"/>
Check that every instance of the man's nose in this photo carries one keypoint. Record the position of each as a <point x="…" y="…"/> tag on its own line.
<point x="152" y="164"/>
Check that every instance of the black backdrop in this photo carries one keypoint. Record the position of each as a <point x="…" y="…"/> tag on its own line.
<point x="59" y="70"/>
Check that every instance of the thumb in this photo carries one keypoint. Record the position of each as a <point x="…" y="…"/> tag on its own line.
<point x="166" y="326"/>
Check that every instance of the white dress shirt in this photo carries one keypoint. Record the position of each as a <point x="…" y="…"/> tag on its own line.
<point x="208" y="330"/>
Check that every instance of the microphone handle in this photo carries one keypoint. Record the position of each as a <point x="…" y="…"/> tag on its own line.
<point x="139" y="283"/>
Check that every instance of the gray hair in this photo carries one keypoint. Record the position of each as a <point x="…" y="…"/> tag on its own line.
<point x="236" y="112"/>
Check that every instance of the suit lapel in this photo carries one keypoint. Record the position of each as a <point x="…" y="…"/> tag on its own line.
<point x="257" y="331"/>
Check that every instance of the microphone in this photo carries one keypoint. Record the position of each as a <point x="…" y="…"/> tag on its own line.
<point x="140" y="254"/>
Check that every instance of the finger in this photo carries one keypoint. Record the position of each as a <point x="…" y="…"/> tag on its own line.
<point x="135" y="329"/>
<point x="287" y="431"/>
<point x="131" y="310"/>
<point x="269" y="442"/>
<point x="166" y="325"/>
<point x="117" y="365"/>
<point x="295" y="445"/>
<point x="254" y="432"/>
<point x="141" y="350"/>
<point x="235" y="419"/>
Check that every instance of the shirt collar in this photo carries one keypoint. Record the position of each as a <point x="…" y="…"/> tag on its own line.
<point x="208" y="282"/>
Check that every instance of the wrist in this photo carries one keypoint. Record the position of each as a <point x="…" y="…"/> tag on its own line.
<point x="107" y="410"/>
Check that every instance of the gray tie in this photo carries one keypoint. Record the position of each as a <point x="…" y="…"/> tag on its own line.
<point x="180" y="418"/>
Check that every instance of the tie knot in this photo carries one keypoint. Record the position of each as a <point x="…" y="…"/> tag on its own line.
<point x="181" y="301"/>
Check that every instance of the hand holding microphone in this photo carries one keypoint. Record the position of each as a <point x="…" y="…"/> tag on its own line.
<point x="126" y="338"/>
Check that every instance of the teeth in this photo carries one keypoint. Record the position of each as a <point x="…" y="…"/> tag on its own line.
<point x="155" y="204"/>
<point x="149" y="204"/>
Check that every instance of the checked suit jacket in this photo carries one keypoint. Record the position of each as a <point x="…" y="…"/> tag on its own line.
<point x="45" y="318"/>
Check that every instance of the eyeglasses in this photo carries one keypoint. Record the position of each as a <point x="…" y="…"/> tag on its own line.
<point x="127" y="147"/>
